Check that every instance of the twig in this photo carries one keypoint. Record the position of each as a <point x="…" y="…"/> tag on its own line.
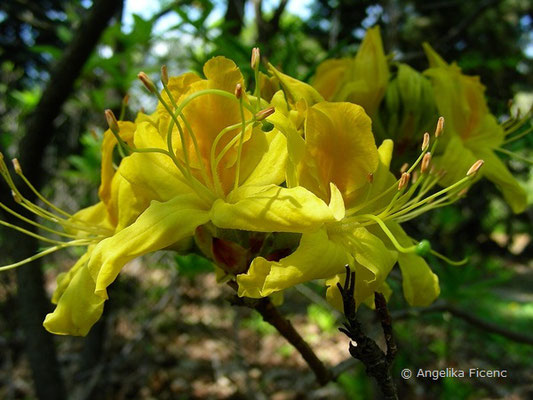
<point x="364" y="348"/>
<point x="475" y="321"/>
<point x="271" y="314"/>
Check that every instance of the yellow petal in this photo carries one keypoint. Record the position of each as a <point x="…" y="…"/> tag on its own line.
<point x="496" y="172"/>
<point x="340" y="148"/>
<point x="295" y="144"/>
<point x="369" y="74"/>
<point x="126" y="132"/>
<point x="95" y="215"/>
<point x="177" y="85"/>
<point x="161" y="225"/>
<point x="460" y="100"/>
<point x="271" y="166"/>
<point x="154" y="173"/>
<point x="296" y="90"/>
<point x="271" y="209"/>
<point x="420" y="284"/>
<point x="373" y="260"/>
<point x="333" y="294"/>
<point x="316" y="257"/>
<point x="64" y="279"/>
<point x="127" y="202"/>
<point x="330" y="76"/>
<point x="370" y="198"/>
<point x="435" y="60"/>
<point x="456" y="160"/>
<point x="78" y="307"/>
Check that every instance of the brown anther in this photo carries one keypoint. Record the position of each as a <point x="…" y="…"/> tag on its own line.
<point x="147" y="82"/>
<point x="16" y="166"/>
<point x="16" y="197"/>
<point x="440" y="127"/>
<point x="415" y="177"/>
<point x="370" y="177"/>
<point x="111" y="120"/>
<point x="267" y="112"/>
<point x="424" y="165"/>
<point x="404" y="180"/>
<point x="475" y="167"/>
<point x="404" y="168"/>
<point x="126" y="99"/>
<point x="425" y="142"/>
<point x="256" y="57"/>
<point x="238" y="90"/>
<point x="164" y="75"/>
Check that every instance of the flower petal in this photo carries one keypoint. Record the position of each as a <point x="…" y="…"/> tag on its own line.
<point x="126" y="132"/>
<point x="420" y="284"/>
<point x="316" y="257"/>
<point x="340" y="148"/>
<point x="296" y="90"/>
<point x="161" y="225"/>
<point x="369" y="75"/>
<point x="330" y="76"/>
<point x="78" y="308"/>
<point x="373" y="260"/>
<point x="271" y="209"/>
<point x="496" y="172"/>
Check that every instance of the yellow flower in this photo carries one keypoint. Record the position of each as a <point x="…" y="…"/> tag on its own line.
<point x="472" y="131"/>
<point x="361" y="80"/>
<point x="217" y="165"/>
<point x="338" y="154"/>
<point x="77" y="306"/>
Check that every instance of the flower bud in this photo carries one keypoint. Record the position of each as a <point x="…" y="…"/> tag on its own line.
<point x="147" y="82"/>
<point x="111" y="120"/>
<point x="267" y="112"/>
<point x="238" y="91"/>
<point x="16" y="166"/>
<point x="440" y="127"/>
<point x="404" y="180"/>
<point x="475" y="167"/>
<point x="164" y="75"/>
<point x="425" y="142"/>
<point x="256" y="57"/>
<point x="426" y="160"/>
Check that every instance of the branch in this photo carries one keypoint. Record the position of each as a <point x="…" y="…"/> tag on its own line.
<point x="271" y="314"/>
<point x="365" y="348"/>
<point x="472" y="319"/>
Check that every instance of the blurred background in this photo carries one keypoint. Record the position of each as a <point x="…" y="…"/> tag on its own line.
<point x="166" y="333"/>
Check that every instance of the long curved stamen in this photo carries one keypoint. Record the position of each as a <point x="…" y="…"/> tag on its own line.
<point x="39" y="211"/>
<point x="164" y="81"/>
<point x="43" y="253"/>
<point x="36" y="224"/>
<point x="19" y="172"/>
<point x="447" y="260"/>
<point x="30" y="233"/>
<point x="241" y="136"/>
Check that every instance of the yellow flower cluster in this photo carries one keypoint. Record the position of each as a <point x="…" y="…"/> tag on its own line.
<point x="277" y="189"/>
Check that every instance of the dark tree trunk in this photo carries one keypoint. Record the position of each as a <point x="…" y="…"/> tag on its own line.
<point x="39" y="132"/>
